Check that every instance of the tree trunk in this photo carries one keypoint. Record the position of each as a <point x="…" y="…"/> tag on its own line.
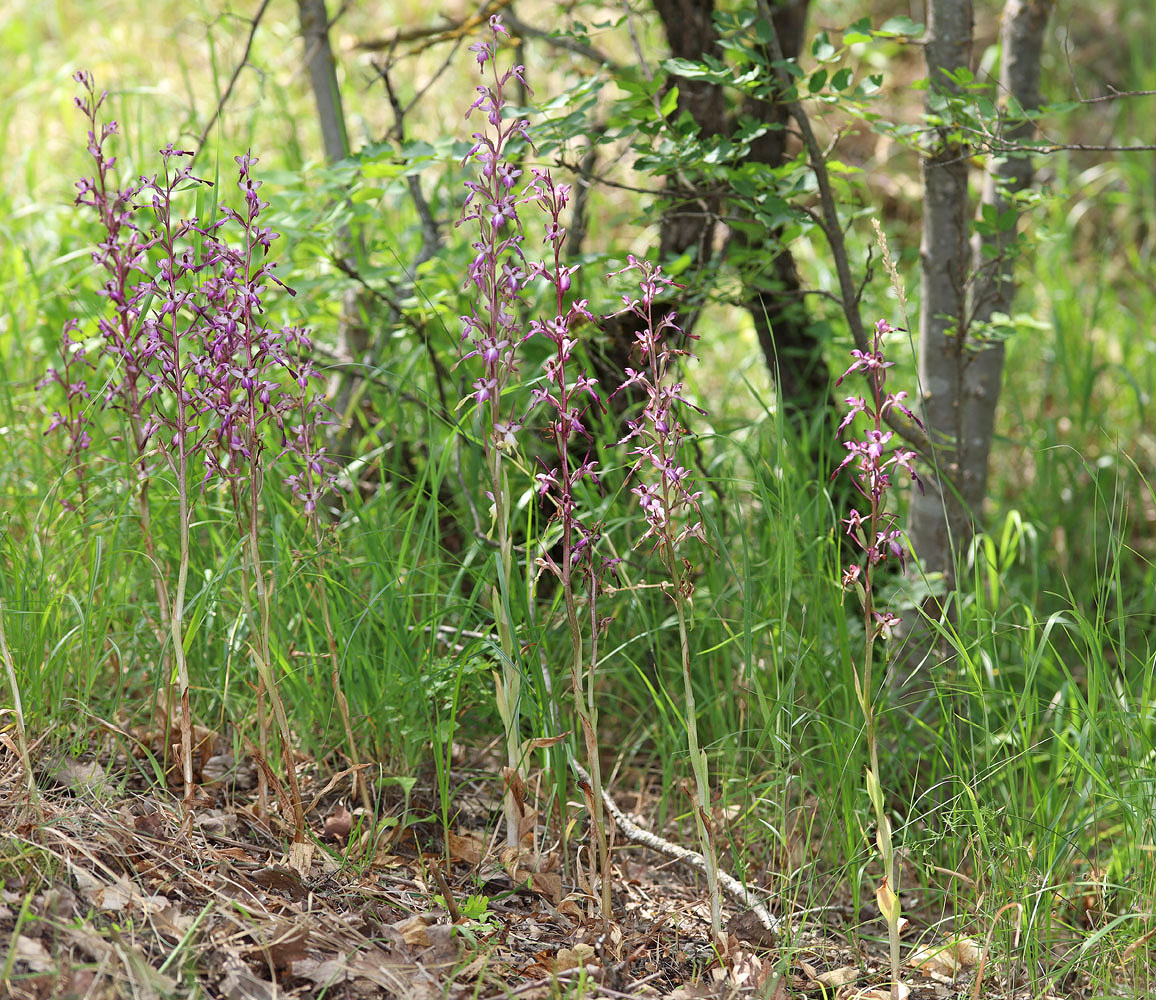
<point x="961" y="370"/>
<point x="773" y="296"/>
<point x="993" y="288"/>
<point x="939" y="523"/>
<point x="323" y="78"/>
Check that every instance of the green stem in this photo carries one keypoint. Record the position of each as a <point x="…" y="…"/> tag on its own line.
<point x="508" y="683"/>
<point x="178" y="619"/>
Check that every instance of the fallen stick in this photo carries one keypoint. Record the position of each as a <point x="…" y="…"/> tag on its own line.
<point x="742" y="925"/>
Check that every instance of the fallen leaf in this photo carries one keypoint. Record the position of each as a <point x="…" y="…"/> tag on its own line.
<point x="547" y="884"/>
<point x="338" y="823"/>
<point x="33" y="954"/>
<point x="240" y="984"/>
<point x="414" y="932"/>
<point x="946" y="959"/>
<point x="79" y="775"/>
<point x="835" y="978"/>
<point x="573" y="958"/>
<point x="466" y="847"/>
<point x="876" y="993"/>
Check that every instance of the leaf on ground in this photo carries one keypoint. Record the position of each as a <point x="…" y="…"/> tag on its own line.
<point x="240" y="984"/>
<point x="947" y="958"/>
<point x="875" y="993"/>
<point x="338" y="823"/>
<point x="747" y="971"/>
<point x="414" y="931"/>
<point x="577" y="957"/>
<point x="832" y="978"/>
<point x="548" y="885"/>
<point x="467" y="847"/>
<point x="32" y="953"/>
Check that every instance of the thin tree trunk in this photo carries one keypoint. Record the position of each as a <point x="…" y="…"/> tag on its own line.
<point x="961" y="370"/>
<point x="939" y="523"/>
<point x="993" y="289"/>
<point x="323" y="78"/>
<point x="353" y="336"/>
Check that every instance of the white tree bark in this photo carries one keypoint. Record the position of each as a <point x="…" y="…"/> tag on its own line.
<point x="993" y="285"/>
<point x="939" y="522"/>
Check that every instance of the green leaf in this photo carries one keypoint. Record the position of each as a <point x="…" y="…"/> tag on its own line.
<point x="417" y="149"/>
<point x="901" y="25"/>
<point x="669" y="102"/>
<point x="858" y="32"/>
<point x="689" y="69"/>
<point x="821" y="47"/>
<point x="818" y="81"/>
<point x="841" y="80"/>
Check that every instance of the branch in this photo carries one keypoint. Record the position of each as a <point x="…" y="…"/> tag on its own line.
<point x="454" y="30"/>
<point x="595" y="55"/>
<point x="735" y="890"/>
<point x="441" y="375"/>
<point x="233" y="79"/>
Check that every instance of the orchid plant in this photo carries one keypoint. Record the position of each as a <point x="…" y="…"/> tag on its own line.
<point x="870" y="462"/>
<point x="206" y="386"/>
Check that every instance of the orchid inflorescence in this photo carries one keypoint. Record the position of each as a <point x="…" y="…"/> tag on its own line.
<point x="875" y="532"/>
<point x="494" y="332"/>
<point x="195" y="368"/>
<point x="877" y="536"/>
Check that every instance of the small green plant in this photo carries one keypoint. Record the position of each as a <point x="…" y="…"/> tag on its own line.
<point x="475" y="921"/>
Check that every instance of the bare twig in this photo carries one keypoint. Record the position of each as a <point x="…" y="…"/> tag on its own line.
<point x="563" y="42"/>
<point x="454" y="29"/>
<point x="735" y="890"/>
<point x="244" y="61"/>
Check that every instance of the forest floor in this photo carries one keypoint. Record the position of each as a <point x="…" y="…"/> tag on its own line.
<point x="104" y="896"/>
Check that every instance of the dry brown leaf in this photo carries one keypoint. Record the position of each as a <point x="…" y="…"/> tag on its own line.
<point x="442" y="948"/>
<point x="33" y="954"/>
<point x="240" y="984"/>
<point x="414" y="931"/>
<point x="834" y="978"/>
<point x="338" y="823"/>
<point x="541" y="743"/>
<point x="281" y="880"/>
<point x="79" y="776"/>
<point x="548" y="885"/>
<point x="466" y="847"/>
<point x="946" y="959"/>
<point x="693" y="991"/>
<point x="326" y="974"/>
<point x="173" y="922"/>
<point x="572" y="908"/>
<point x="875" y="993"/>
<point x="577" y="957"/>
<point x="748" y="970"/>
